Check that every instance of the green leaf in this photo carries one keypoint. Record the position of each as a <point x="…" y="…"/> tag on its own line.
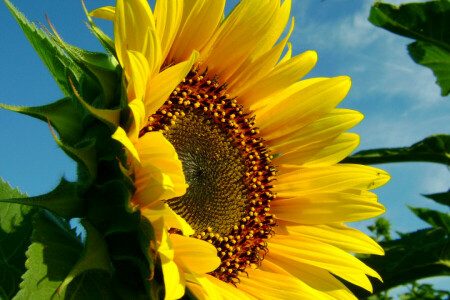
<point x="15" y="232"/>
<point x="435" y="58"/>
<point x="59" y="65"/>
<point x="94" y="257"/>
<point x="421" y="254"/>
<point x="62" y="115"/>
<point x="433" y="217"/>
<point x="63" y="200"/>
<point x="435" y="148"/>
<point x="442" y="198"/>
<point x="54" y="251"/>
<point x="428" y="23"/>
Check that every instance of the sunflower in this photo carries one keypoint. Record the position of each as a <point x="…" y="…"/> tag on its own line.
<point x="236" y="160"/>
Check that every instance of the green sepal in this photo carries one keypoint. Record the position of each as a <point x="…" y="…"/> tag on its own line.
<point x="62" y="115"/>
<point x="15" y="232"/>
<point x="54" y="251"/>
<point x="146" y="238"/>
<point x="109" y="207"/>
<point x="435" y="218"/>
<point x="442" y="198"/>
<point x="60" y="66"/>
<point x="94" y="256"/>
<point x="84" y="153"/>
<point x="110" y="117"/>
<point x="128" y="234"/>
<point x="105" y="40"/>
<point x="435" y="148"/>
<point x="63" y="200"/>
<point x="103" y="67"/>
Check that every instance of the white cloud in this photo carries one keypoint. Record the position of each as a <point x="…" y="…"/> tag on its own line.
<point x="436" y="179"/>
<point x="379" y="58"/>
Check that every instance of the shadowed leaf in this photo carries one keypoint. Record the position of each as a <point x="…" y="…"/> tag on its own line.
<point x="435" y="148"/>
<point x="15" y="232"/>
<point x="442" y="198"/>
<point x="54" y="251"/>
<point x="421" y="254"/>
<point x="434" y="218"/>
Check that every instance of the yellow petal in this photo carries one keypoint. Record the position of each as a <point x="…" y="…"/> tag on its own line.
<point x="137" y="74"/>
<point x="322" y="255"/>
<point x="268" y="285"/>
<point x="204" y="288"/>
<point x="228" y="291"/>
<point x="174" y="281"/>
<point x="326" y="128"/>
<point x="238" y="36"/>
<point x="168" y="14"/>
<point x="106" y="12"/>
<point x="319" y="279"/>
<point x="287" y="72"/>
<point x="121" y="136"/>
<point x="138" y="110"/>
<point x="291" y="112"/>
<point x="200" y="20"/>
<point x="341" y="236"/>
<point x="295" y="181"/>
<point x="164" y="83"/>
<point x="134" y="29"/>
<point x="326" y="207"/>
<point x="255" y="68"/>
<point x="325" y="153"/>
<point x="279" y="22"/>
<point x="157" y="209"/>
<point x="194" y="255"/>
<point x="160" y="175"/>
<point x="359" y="279"/>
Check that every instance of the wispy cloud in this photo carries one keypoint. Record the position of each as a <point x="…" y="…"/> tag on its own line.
<point x="377" y="57"/>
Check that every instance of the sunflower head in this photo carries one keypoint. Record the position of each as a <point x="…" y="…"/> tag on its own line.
<point x="234" y="159"/>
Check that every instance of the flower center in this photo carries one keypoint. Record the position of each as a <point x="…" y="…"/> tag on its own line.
<point x="228" y="170"/>
<point x="215" y="171"/>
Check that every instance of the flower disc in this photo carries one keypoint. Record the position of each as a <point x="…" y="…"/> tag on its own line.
<point x="228" y="170"/>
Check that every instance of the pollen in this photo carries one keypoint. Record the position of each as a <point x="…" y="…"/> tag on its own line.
<point x="227" y="167"/>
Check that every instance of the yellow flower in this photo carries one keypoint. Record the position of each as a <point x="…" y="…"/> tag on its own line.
<point x="216" y="106"/>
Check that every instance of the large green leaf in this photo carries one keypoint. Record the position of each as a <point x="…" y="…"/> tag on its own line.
<point x="63" y="200"/>
<point x="421" y="254"/>
<point x="435" y="58"/>
<point x="59" y="65"/>
<point x="15" y="232"/>
<point x="426" y="22"/>
<point x="435" y="148"/>
<point x="54" y="251"/>
<point x="442" y="198"/>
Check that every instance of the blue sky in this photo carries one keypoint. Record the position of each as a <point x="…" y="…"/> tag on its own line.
<point x="400" y="100"/>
